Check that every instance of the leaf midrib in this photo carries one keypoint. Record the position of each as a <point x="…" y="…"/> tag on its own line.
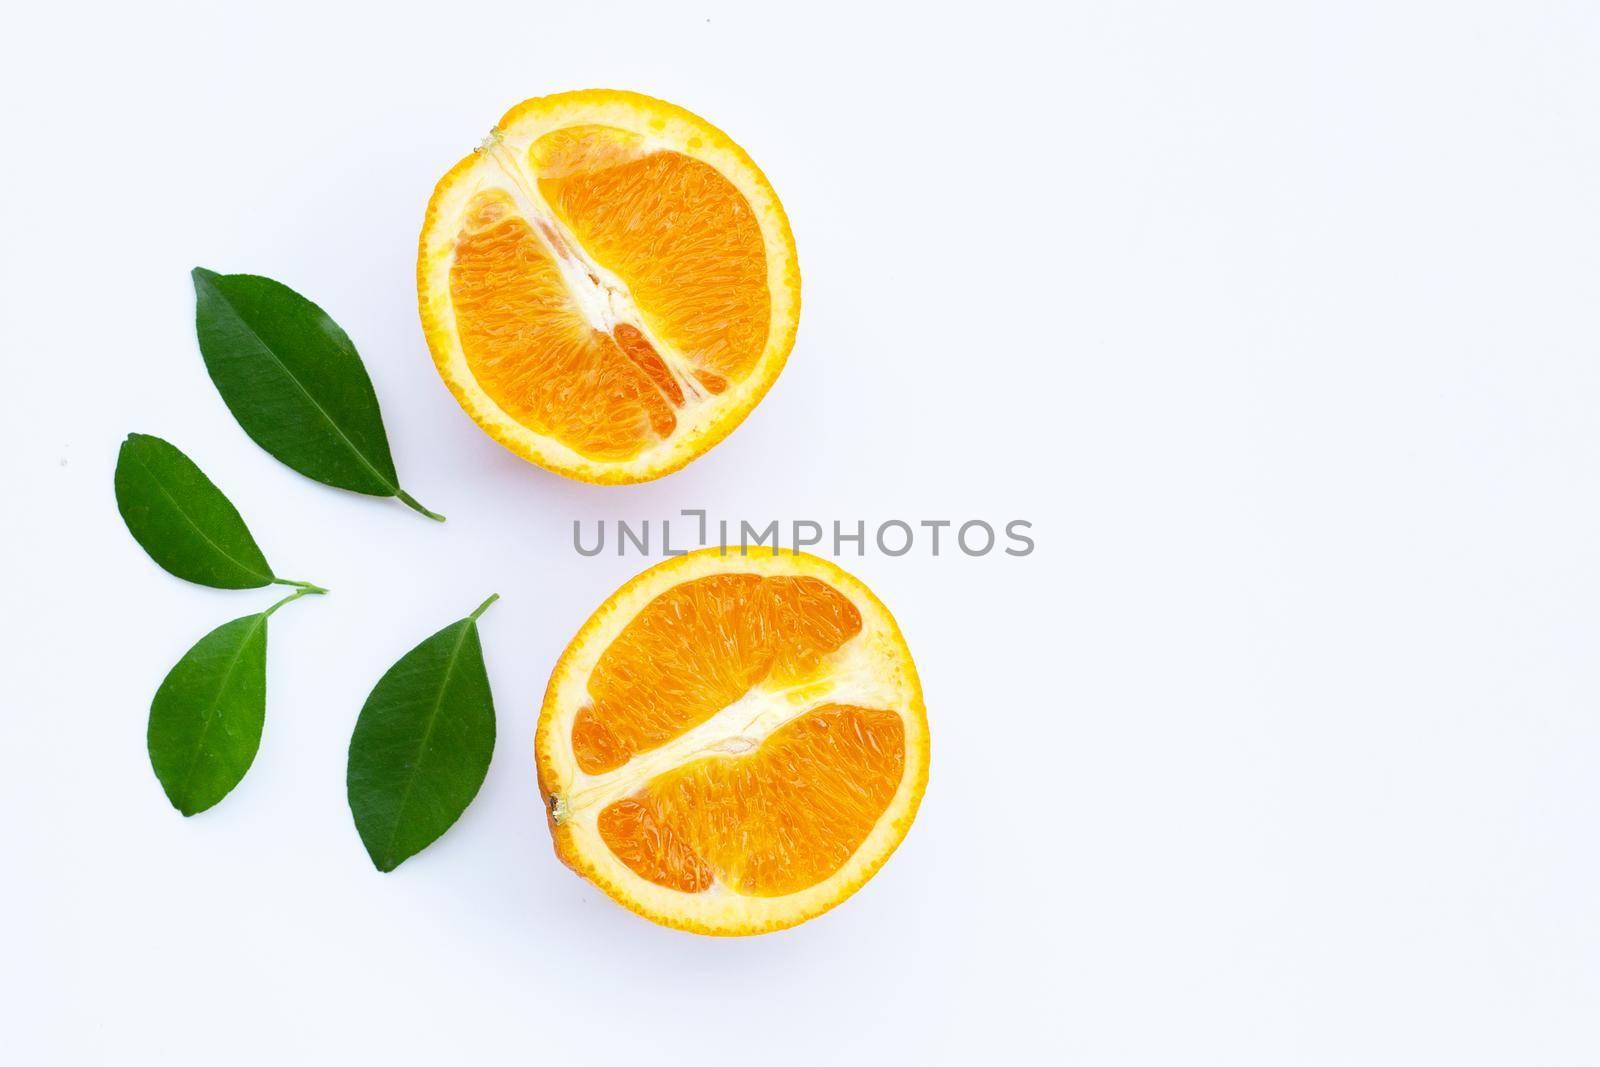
<point x="393" y="485"/>
<point x="427" y="735"/>
<point x="268" y="578"/>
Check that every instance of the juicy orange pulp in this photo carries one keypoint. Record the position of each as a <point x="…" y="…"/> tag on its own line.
<point x="673" y="230"/>
<point x="764" y="821"/>
<point x="776" y="821"/>
<point x="696" y="649"/>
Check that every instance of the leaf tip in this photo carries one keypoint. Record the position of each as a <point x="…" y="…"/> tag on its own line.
<point x="183" y="806"/>
<point x="384" y="864"/>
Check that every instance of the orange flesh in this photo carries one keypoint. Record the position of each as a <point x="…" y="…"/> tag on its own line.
<point x="771" y="822"/>
<point x="697" y="648"/>
<point x="672" y="229"/>
<point x="531" y="349"/>
<point x="777" y="817"/>
<point x="675" y="230"/>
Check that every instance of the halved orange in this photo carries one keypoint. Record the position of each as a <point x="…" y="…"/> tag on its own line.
<point x="733" y="743"/>
<point x="608" y="284"/>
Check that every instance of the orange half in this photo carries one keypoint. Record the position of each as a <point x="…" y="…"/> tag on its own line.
<point x="608" y="284"/>
<point x="733" y="743"/>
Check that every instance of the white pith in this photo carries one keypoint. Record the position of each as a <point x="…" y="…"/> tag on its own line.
<point x="871" y="670"/>
<point x="849" y="676"/>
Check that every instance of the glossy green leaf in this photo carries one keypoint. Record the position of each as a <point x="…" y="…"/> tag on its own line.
<point x="205" y="721"/>
<point x="294" y="382"/>
<point x="183" y="521"/>
<point x="422" y="744"/>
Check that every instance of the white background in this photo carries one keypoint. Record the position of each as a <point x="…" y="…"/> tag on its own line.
<point x="1279" y="321"/>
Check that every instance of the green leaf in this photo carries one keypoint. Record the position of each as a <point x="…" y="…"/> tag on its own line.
<point x="183" y="521"/>
<point x="294" y="382"/>
<point x="422" y="744"/>
<point x="205" y="720"/>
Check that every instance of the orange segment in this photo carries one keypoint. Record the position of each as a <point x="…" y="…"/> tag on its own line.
<point x="585" y="149"/>
<point x="608" y="285"/>
<point x="530" y="348"/>
<point x="733" y="743"/>
<point x="773" y="822"/>
<point x="636" y="832"/>
<point x="676" y="231"/>
<point x="696" y="649"/>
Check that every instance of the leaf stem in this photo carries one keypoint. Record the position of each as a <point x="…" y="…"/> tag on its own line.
<point x="307" y="586"/>
<point x="410" y="501"/>
<point x="483" y="607"/>
<point x="310" y="590"/>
